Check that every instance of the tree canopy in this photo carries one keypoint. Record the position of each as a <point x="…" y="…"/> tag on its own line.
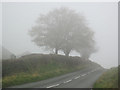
<point x="64" y="29"/>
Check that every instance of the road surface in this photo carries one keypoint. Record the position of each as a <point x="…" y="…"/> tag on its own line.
<point x="80" y="79"/>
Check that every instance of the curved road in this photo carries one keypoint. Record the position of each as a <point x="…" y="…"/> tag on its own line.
<point x="80" y="79"/>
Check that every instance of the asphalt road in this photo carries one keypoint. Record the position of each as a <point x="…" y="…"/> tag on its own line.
<point x="80" y="79"/>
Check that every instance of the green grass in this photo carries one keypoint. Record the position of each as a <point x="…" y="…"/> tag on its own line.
<point x="34" y="68"/>
<point x="21" y="78"/>
<point x="109" y="79"/>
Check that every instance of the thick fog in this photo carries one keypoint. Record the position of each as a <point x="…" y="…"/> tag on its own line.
<point x="102" y="18"/>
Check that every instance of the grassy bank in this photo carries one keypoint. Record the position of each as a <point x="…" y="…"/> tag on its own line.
<point x="37" y="67"/>
<point x="109" y="79"/>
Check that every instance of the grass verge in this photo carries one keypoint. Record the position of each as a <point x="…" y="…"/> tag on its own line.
<point x="109" y="79"/>
<point x="22" y="78"/>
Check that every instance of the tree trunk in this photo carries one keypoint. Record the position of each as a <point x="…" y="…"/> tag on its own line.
<point x="67" y="53"/>
<point x="56" y="51"/>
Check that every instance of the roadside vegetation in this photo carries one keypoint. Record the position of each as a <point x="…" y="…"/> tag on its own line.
<point x="36" y="67"/>
<point x="109" y="79"/>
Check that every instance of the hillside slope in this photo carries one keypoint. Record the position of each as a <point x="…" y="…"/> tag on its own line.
<point x="36" y="67"/>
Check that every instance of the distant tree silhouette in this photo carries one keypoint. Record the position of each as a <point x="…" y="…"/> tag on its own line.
<point x="63" y="29"/>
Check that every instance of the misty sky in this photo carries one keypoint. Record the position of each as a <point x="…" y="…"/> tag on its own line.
<point x="18" y="18"/>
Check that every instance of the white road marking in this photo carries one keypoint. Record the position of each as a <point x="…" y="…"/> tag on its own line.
<point x="94" y="70"/>
<point x="88" y="72"/>
<point x="53" y="86"/>
<point x="83" y="75"/>
<point x="71" y="79"/>
<point x="77" y="77"/>
<point x="67" y="81"/>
